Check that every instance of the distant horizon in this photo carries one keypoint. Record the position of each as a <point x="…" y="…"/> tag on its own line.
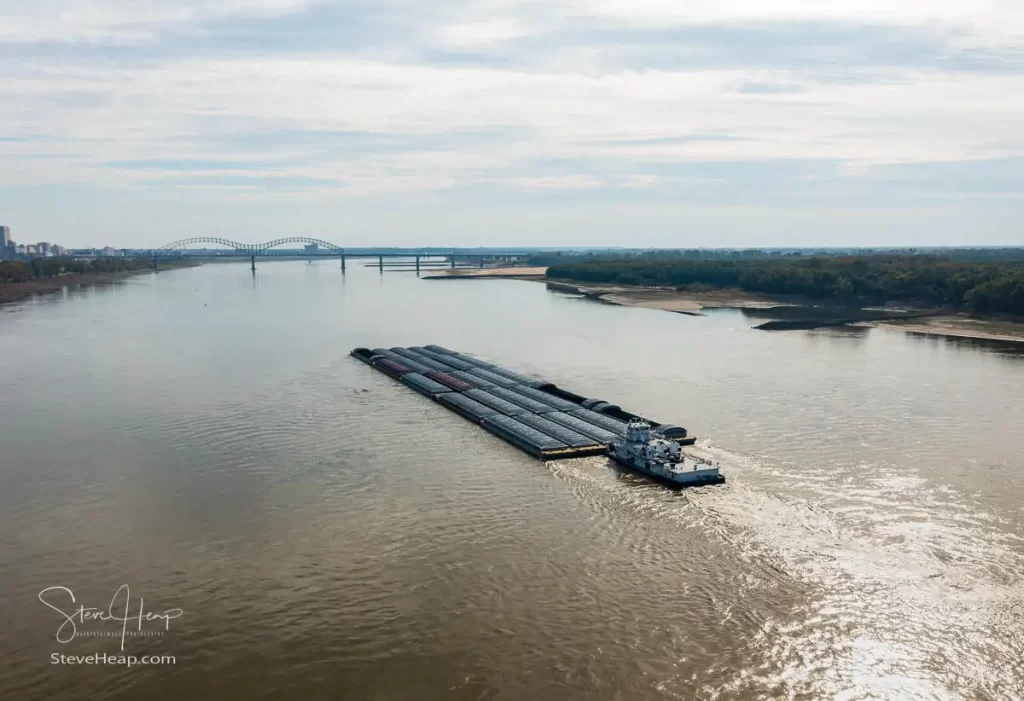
<point x="586" y="249"/>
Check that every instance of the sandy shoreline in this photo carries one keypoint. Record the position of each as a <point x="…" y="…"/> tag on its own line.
<point x="477" y="273"/>
<point x="960" y="326"/>
<point x="941" y="324"/>
<point x="681" y="302"/>
<point x="694" y="302"/>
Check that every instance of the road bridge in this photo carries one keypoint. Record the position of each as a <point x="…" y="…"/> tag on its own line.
<point x="319" y="248"/>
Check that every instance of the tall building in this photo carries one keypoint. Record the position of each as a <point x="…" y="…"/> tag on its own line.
<point x="5" y="236"/>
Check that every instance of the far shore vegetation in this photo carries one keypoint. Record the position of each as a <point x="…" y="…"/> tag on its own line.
<point x="16" y="271"/>
<point x="20" y="279"/>
<point x="978" y="281"/>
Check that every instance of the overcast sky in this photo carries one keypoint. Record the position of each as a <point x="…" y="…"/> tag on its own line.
<point x="495" y="122"/>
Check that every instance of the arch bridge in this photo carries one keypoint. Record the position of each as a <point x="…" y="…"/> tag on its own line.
<point x="324" y="249"/>
<point x="254" y="248"/>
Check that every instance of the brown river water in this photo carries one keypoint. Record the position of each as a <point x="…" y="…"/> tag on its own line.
<point x="318" y="531"/>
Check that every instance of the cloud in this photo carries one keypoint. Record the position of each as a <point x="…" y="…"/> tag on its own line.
<point x="248" y="182"/>
<point x="998" y="21"/>
<point x="617" y="120"/>
<point x="351" y="99"/>
<point x="121" y="21"/>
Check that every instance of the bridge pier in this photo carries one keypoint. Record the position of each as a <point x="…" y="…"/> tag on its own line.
<point x="342" y="262"/>
<point x="252" y="259"/>
<point x="417" y="265"/>
<point x="481" y="262"/>
<point x="453" y="260"/>
<point x="380" y="260"/>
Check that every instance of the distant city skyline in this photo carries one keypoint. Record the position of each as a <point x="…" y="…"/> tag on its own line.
<point x="587" y="123"/>
<point x="10" y="247"/>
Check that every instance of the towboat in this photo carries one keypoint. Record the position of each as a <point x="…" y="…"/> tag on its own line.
<point x="648" y="451"/>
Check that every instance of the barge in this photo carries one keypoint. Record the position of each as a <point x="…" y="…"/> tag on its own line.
<point x="535" y="415"/>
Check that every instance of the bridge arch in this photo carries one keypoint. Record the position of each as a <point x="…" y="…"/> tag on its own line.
<point x="181" y="243"/>
<point x="252" y="248"/>
<point x="299" y="239"/>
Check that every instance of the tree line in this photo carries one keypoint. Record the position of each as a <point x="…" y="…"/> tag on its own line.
<point x="980" y="286"/>
<point x="14" y="271"/>
<point x="987" y="254"/>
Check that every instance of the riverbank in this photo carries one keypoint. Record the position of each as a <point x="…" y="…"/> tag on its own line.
<point x="681" y="302"/>
<point x="780" y="313"/>
<point x="690" y="302"/>
<point x="18" y="291"/>
<point x="789" y="314"/>
<point x="477" y="273"/>
<point x="958" y="325"/>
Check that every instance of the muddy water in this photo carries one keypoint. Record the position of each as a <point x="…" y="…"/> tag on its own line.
<point x="203" y="437"/>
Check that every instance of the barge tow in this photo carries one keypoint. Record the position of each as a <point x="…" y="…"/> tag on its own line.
<point x="539" y="417"/>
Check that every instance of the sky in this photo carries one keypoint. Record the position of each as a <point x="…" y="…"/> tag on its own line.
<point x="661" y="123"/>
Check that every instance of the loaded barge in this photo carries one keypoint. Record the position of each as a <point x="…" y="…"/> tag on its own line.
<point x="537" y="416"/>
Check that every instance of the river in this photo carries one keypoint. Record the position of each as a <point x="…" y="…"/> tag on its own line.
<point x="203" y="436"/>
